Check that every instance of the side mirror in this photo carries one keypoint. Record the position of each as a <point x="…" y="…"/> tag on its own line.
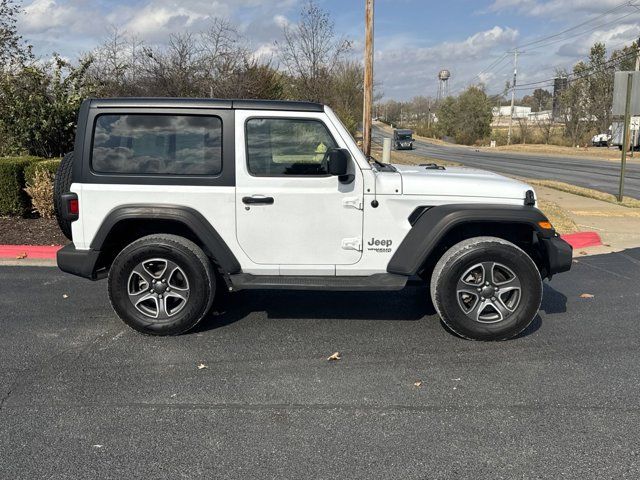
<point x="338" y="161"/>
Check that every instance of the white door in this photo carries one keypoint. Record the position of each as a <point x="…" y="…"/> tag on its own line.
<point x="289" y="210"/>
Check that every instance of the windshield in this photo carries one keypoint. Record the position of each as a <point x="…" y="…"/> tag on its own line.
<point x="405" y="136"/>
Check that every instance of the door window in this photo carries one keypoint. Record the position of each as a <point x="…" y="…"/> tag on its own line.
<point x="157" y="144"/>
<point x="286" y="146"/>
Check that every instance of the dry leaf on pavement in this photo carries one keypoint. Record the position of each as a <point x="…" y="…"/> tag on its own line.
<point x="335" y="356"/>
<point x="417" y="384"/>
<point x="20" y="256"/>
<point x="201" y="366"/>
<point x="586" y="295"/>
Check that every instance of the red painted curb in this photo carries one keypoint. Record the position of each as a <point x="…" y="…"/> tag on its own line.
<point x="583" y="239"/>
<point x="28" y="251"/>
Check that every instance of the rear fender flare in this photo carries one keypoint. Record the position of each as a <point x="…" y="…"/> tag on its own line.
<point x="190" y="218"/>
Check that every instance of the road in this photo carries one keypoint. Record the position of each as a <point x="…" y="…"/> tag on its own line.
<point x="585" y="172"/>
<point x="83" y="396"/>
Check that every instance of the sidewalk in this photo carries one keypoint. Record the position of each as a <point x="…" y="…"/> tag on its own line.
<point x="619" y="227"/>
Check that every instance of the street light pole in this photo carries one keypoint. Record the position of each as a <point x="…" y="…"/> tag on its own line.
<point x="368" y="79"/>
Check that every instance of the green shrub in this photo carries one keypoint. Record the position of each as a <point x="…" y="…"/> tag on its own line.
<point x="13" y="199"/>
<point x="48" y="166"/>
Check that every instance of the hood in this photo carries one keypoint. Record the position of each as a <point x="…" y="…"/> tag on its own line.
<point x="459" y="181"/>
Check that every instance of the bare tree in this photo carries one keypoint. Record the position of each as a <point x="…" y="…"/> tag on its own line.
<point x="311" y="51"/>
<point x="224" y="54"/>
<point x="545" y="127"/>
<point x="525" y="130"/>
<point x="13" y="51"/>
<point x="176" y="70"/>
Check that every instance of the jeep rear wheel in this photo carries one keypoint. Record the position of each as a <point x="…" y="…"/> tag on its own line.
<point x="162" y="285"/>
<point x="486" y="288"/>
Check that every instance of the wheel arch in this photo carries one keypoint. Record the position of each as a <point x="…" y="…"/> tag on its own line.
<point x="438" y="228"/>
<point x="128" y="223"/>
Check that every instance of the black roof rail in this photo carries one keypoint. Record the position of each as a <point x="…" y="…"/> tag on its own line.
<point x="168" y="102"/>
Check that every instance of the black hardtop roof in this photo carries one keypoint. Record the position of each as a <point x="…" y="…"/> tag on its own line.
<point x="403" y="131"/>
<point x="150" y="102"/>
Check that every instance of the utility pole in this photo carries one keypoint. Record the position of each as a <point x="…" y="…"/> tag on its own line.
<point x="638" y="55"/>
<point x="368" y="79"/>
<point x="513" y="93"/>
<point x="625" y="140"/>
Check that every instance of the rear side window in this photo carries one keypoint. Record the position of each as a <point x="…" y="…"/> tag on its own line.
<point x="157" y="145"/>
<point x="287" y="146"/>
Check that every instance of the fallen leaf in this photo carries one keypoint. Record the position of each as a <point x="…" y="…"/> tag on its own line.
<point x="584" y="253"/>
<point x="65" y="296"/>
<point x="417" y="384"/>
<point x="20" y="256"/>
<point x="201" y="366"/>
<point x="335" y="356"/>
<point x="586" y="295"/>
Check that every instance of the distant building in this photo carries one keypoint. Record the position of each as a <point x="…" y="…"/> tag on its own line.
<point x="542" y="116"/>
<point x="518" y="112"/>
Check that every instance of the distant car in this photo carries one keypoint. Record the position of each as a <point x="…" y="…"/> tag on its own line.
<point x="402" y="139"/>
<point x="601" y="140"/>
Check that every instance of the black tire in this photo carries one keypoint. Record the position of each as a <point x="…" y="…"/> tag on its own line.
<point x="517" y="304"/>
<point x="193" y="266"/>
<point x="62" y="184"/>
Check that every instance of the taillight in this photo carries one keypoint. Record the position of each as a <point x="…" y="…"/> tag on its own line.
<point x="74" y="206"/>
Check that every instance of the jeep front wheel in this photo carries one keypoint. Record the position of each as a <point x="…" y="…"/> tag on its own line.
<point x="161" y="285"/>
<point x="486" y="288"/>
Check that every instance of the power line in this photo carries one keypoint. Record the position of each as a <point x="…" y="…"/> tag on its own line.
<point x="579" y="34"/>
<point x="551" y="39"/>
<point x="586" y="57"/>
<point x="575" y="27"/>
<point x="539" y="43"/>
<point x="571" y="77"/>
<point x="608" y="63"/>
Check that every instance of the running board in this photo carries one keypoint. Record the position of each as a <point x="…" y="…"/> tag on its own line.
<point x="379" y="281"/>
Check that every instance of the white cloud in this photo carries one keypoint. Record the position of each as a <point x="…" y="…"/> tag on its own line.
<point x="407" y="71"/>
<point x="151" y="20"/>
<point x="45" y="15"/>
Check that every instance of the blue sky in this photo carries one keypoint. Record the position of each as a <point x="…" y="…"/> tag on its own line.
<point x="414" y="38"/>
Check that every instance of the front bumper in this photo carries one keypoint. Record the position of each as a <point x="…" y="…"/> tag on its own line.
<point x="82" y="263"/>
<point x="559" y="255"/>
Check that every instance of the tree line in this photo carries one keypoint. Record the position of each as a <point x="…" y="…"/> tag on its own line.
<point x="39" y="99"/>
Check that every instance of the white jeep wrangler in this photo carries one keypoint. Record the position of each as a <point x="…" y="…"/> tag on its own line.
<point x="177" y="199"/>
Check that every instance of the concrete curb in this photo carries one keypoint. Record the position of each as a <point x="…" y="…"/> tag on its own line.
<point x="582" y="239"/>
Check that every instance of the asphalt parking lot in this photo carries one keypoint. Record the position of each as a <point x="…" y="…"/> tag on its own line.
<point x="82" y="396"/>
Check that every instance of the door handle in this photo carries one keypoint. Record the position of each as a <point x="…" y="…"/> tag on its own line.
<point x="256" y="200"/>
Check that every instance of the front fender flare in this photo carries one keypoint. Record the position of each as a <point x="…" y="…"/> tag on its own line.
<point x="435" y="222"/>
